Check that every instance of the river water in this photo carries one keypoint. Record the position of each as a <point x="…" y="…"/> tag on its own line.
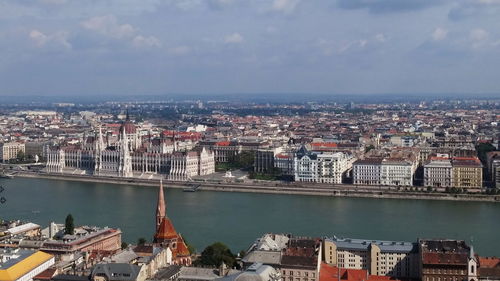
<point x="237" y="219"/>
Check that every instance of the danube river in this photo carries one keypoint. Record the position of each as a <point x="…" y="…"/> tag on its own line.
<point x="237" y="219"/>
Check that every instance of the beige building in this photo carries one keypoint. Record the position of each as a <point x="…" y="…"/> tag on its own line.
<point x="467" y="172"/>
<point x="438" y="171"/>
<point x="388" y="258"/>
<point x="10" y="150"/>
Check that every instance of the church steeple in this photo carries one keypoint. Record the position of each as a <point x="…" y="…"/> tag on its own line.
<point x="160" y="207"/>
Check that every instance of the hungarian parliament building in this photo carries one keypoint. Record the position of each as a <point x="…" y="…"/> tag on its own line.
<point x="129" y="157"/>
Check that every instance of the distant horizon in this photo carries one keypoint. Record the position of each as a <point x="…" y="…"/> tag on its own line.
<point x="247" y="97"/>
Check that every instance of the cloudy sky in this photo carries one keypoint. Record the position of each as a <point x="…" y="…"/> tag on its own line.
<point x="131" y="47"/>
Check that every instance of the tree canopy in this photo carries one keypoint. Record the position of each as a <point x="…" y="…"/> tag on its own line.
<point x="216" y="254"/>
<point x="69" y="225"/>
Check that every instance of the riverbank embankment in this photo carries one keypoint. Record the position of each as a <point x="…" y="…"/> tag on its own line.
<point x="278" y="188"/>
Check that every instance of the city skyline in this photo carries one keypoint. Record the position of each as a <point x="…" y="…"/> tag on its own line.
<point x="180" y="47"/>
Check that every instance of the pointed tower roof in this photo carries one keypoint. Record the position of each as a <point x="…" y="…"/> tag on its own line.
<point x="166" y="230"/>
<point x="160" y="206"/>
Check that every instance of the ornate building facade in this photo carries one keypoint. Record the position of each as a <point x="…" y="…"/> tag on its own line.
<point x="128" y="157"/>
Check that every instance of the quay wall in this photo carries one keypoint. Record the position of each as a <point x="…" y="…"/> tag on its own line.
<point x="277" y="188"/>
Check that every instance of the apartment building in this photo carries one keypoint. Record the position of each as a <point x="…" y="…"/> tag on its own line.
<point x="493" y="160"/>
<point x="438" y="171"/>
<point x="467" y="172"/>
<point x="284" y="163"/>
<point x="10" y="150"/>
<point x="367" y="171"/>
<point x="322" y="167"/>
<point x="389" y="258"/>
<point x="397" y="172"/>
<point x="447" y="260"/>
<point x="296" y="258"/>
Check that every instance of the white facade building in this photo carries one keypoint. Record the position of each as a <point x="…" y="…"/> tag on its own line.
<point x="367" y="171"/>
<point x="96" y="158"/>
<point x="397" y="172"/>
<point x="322" y="167"/>
<point x="438" y="172"/>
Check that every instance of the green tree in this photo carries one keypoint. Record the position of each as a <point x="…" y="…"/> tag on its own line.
<point x="124" y="245"/>
<point x="246" y="159"/>
<point x="141" y="241"/>
<point x="482" y="149"/>
<point x="368" y="148"/>
<point x="20" y="156"/>
<point x="215" y="254"/>
<point x="69" y="225"/>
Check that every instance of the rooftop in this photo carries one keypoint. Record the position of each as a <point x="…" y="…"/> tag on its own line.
<point x="385" y="246"/>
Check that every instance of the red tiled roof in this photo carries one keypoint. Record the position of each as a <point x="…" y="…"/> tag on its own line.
<point x="46" y="274"/>
<point x="283" y="156"/>
<point x="182" y="249"/>
<point x="444" y="258"/>
<point x="324" y="144"/>
<point x="166" y="230"/>
<point x="489" y="262"/>
<point x="331" y="273"/>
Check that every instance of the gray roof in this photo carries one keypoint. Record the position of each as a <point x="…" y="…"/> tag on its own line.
<point x="265" y="257"/>
<point x="167" y="272"/>
<point x="18" y="255"/>
<point x="125" y="256"/>
<point x="385" y="246"/>
<point x="116" y="271"/>
<point x="197" y="273"/>
<point x="256" y="272"/>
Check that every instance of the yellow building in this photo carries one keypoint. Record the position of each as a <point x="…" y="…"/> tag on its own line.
<point x="388" y="258"/>
<point x="23" y="265"/>
<point x="10" y="150"/>
<point x="467" y="172"/>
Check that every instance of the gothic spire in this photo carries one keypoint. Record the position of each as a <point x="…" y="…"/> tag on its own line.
<point x="100" y="139"/>
<point x="160" y="207"/>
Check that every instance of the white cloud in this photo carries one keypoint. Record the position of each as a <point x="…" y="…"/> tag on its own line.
<point x="108" y="26"/>
<point x="285" y="6"/>
<point x="179" y="50"/>
<point x="489" y="2"/>
<point x="479" y="34"/>
<point x="381" y="37"/>
<point x="140" y="41"/>
<point x="234" y="38"/>
<point x="39" y="38"/>
<point x="439" y="34"/>
<point x="58" y="39"/>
